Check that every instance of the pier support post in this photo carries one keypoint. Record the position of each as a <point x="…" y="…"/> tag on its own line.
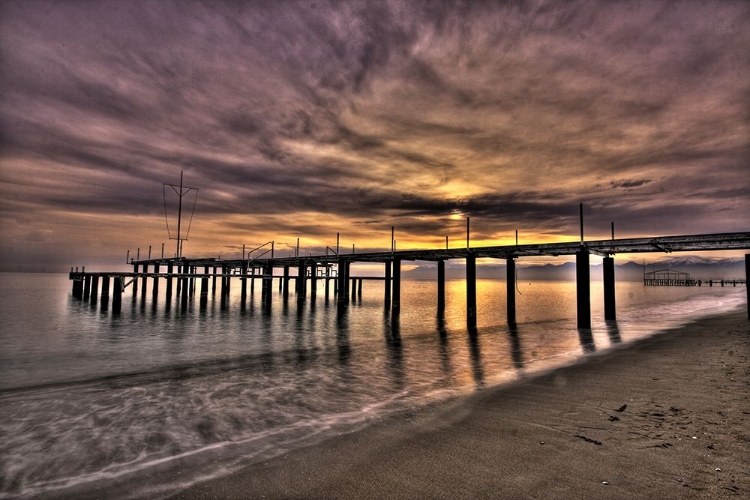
<point x="155" y="290"/>
<point x="243" y="291"/>
<point x="105" y="291"/>
<point x="342" y="281"/>
<point x="396" y="302"/>
<point x="747" y="282"/>
<point x="267" y="285"/>
<point x="301" y="285"/>
<point x="328" y="281"/>
<point x="213" y="283"/>
<point x="610" y="311"/>
<point x="94" y="288"/>
<point x="184" y="283"/>
<point x="285" y="284"/>
<point x="583" y="289"/>
<point x="170" y="269"/>
<point x="224" y="292"/>
<point x="388" y="284"/>
<point x="313" y="280"/>
<point x="135" y="281"/>
<point x="145" y="283"/>
<point x="510" y="288"/>
<point x="471" y="290"/>
<point x="78" y="288"/>
<point x="359" y="288"/>
<point x="117" y="294"/>
<point x="86" y="287"/>
<point x="441" y="285"/>
<point x="204" y="292"/>
<point x="347" y="270"/>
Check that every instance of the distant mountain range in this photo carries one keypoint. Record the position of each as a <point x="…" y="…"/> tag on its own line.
<point x="697" y="267"/>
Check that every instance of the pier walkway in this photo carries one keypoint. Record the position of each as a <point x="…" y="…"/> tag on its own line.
<point x="335" y="268"/>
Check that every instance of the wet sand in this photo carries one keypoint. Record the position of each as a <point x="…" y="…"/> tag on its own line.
<point x="665" y="417"/>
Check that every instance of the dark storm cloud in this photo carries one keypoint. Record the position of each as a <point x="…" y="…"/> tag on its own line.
<point x="400" y="112"/>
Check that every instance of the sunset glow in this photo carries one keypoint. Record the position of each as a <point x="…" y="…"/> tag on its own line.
<point x="307" y="120"/>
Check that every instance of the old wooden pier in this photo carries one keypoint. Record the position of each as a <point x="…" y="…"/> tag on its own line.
<point x="181" y="275"/>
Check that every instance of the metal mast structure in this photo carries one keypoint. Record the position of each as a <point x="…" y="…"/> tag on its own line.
<point x="181" y="191"/>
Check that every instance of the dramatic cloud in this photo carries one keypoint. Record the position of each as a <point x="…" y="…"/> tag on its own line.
<point x="306" y="119"/>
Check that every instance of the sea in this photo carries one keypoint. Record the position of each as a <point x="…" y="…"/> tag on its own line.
<point x="149" y="400"/>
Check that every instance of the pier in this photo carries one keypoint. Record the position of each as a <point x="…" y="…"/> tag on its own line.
<point x="333" y="270"/>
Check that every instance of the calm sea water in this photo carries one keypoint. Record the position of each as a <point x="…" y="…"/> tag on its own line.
<point x="149" y="400"/>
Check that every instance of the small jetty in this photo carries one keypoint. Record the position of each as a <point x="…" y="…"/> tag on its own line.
<point x="668" y="277"/>
<point x="671" y="277"/>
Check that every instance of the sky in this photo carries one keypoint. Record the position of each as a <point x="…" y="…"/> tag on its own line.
<point x="308" y="119"/>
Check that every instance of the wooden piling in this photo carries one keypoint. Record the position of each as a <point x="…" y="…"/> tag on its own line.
<point x="471" y="291"/>
<point x="441" y="285"/>
<point x="610" y="311"/>
<point x="510" y="289"/>
<point x="583" y="289"/>
<point x="86" y="287"/>
<point x="747" y="282"/>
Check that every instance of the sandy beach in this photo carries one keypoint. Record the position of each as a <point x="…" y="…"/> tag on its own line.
<point x="665" y="417"/>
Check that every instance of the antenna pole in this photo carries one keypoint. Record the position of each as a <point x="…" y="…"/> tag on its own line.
<point x="179" y="216"/>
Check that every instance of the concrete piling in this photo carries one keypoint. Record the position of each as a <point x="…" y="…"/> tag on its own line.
<point x="610" y="311"/>
<point x="510" y="288"/>
<point x="583" y="289"/>
<point x="441" y="285"/>
<point x="396" y="292"/>
<point x="471" y="290"/>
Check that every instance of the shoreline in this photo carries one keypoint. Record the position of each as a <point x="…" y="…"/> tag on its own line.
<point x="667" y="415"/>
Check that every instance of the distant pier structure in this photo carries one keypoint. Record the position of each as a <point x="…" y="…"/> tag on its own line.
<point x="671" y="277"/>
<point x="668" y="277"/>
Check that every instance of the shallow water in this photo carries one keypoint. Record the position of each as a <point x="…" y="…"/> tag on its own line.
<point x="89" y="397"/>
